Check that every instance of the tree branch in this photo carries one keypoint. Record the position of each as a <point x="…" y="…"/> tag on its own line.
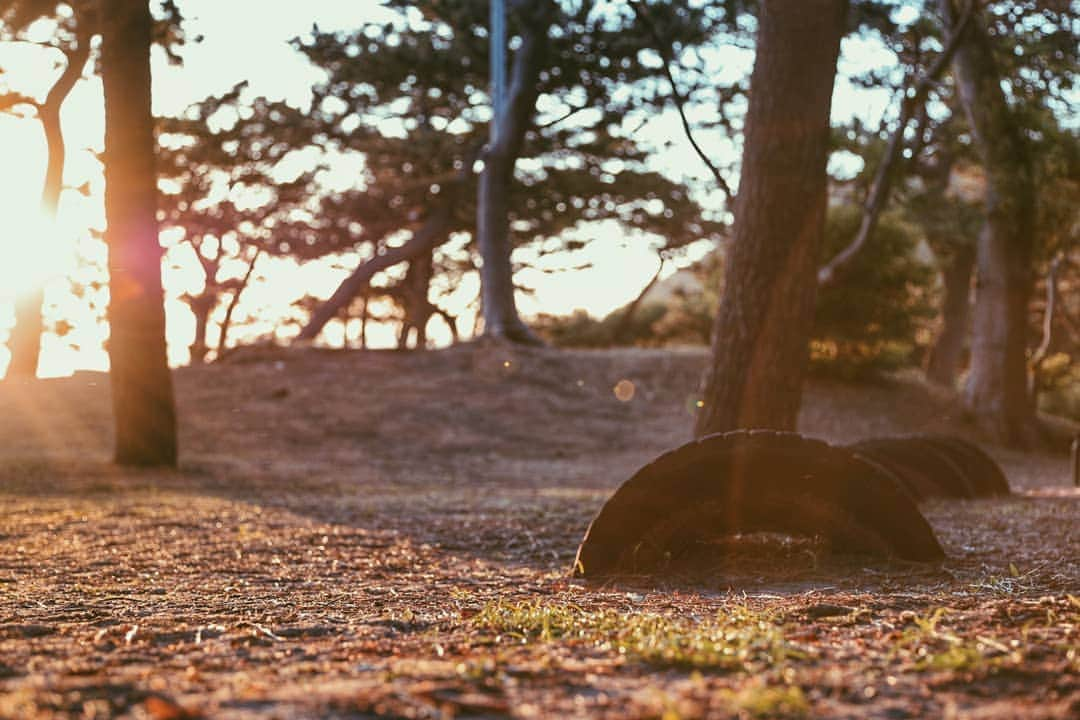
<point x="663" y="47"/>
<point x="881" y="187"/>
<point x="627" y="319"/>
<point x="226" y="322"/>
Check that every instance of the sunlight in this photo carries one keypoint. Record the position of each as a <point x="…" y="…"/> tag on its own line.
<point x="28" y="249"/>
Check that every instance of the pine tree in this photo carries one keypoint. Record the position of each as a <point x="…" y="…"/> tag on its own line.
<point x="411" y="99"/>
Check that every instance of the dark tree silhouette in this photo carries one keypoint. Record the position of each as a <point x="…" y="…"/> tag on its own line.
<point x="760" y="338"/>
<point x="417" y="188"/>
<point x="202" y="172"/>
<point x="143" y="405"/>
<point x="72" y="41"/>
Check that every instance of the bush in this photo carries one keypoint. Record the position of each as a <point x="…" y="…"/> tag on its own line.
<point x="870" y="320"/>
<point x="582" y="330"/>
<point x="1059" y="386"/>
<point x="866" y="323"/>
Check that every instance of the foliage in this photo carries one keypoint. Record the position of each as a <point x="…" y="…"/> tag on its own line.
<point x="227" y="193"/>
<point x="409" y="99"/>
<point x="870" y="320"/>
<point x="582" y="330"/>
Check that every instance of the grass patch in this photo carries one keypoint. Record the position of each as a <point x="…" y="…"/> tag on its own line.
<point x="737" y="639"/>
<point x="933" y="648"/>
<point x="769" y="701"/>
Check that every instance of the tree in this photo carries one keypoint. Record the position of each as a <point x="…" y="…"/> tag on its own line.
<point x="226" y="195"/>
<point x="408" y="97"/>
<point x="996" y="393"/>
<point x="143" y="405"/>
<point x="950" y="223"/>
<point x="76" y="25"/>
<point x="869" y="319"/>
<point x="72" y="41"/>
<point x="759" y="349"/>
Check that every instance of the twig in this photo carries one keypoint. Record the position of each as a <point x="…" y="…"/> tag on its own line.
<point x="664" y="49"/>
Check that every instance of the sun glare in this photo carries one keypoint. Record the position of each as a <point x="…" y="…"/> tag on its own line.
<point x="28" y="250"/>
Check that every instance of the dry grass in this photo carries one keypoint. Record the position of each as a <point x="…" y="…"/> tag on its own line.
<point x="382" y="534"/>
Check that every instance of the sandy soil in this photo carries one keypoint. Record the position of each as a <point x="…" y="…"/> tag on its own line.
<point x="389" y="535"/>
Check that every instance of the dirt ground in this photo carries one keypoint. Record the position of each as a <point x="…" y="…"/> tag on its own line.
<point x="375" y="534"/>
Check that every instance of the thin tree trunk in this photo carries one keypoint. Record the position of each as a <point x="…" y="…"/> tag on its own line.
<point x="501" y="319"/>
<point x="226" y="322"/>
<point x="947" y="356"/>
<point x="25" y="342"/>
<point x="200" y="307"/>
<point x="627" y="319"/>
<point x="451" y="323"/>
<point x="762" y="331"/>
<point x="996" y="393"/>
<point x="1046" y="345"/>
<point x="143" y="405"/>
<point x="364" y="322"/>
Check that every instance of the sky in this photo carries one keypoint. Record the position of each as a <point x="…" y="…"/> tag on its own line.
<point x="243" y="40"/>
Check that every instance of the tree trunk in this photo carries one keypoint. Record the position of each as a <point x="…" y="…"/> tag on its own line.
<point x="511" y="122"/>
<point x="226" y="322"/>
<point x="996" y="393"/>
<point x="25" y="342"/>
<point x="364" y="322"/>
<point x="762" y="331"/>
<point x="200" y="307"/>
<point x="1048" y="342"/>
<point x="143" y="406"/>
<point x="414" y="289"/>
<point x="947" y="355"/>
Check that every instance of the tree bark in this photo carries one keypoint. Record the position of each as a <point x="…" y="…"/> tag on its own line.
<point x="201" y="306"/>
<point x="25" y="342"/>
<point x="501" y="319"/>
<point x="762" y="331"/>
<point x="143" y="405"/>
<point x="413" y="297"/>
<point x="947" y="356"/>
<point x="996" y="393"/>
<point x="364" y="322"/>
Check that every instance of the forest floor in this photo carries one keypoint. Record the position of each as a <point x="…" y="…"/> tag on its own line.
<point x="379" y="534"/>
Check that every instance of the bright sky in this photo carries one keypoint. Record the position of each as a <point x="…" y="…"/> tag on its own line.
<point x="243" y="40"/>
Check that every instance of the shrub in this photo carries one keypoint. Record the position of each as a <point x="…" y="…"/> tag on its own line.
<point x="870" y="320"/>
